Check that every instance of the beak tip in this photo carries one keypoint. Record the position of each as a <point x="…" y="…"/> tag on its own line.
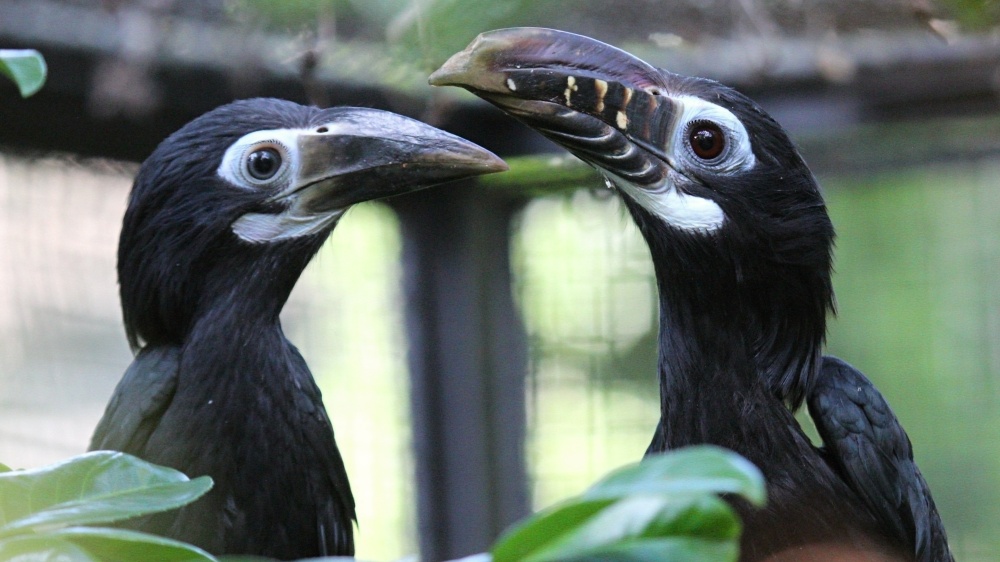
<point x="497" y="165"/>
<point x="475" y="66"/>
<point x="485" y="162"/>
<point x="457" y="67"/>
<point x="439" y="77"/>
<point x="454" y="66"/>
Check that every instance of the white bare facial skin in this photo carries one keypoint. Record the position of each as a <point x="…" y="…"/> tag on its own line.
<point x="682" y="210"/>
<point x="736" y="157"/>
<point x="677" y="209"/>
<point x="258" y="228"/>
<point x="293" y="222"/>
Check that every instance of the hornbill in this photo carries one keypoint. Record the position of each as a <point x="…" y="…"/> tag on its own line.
<point x="222" y="219"/>
<point x="741" y="246"/>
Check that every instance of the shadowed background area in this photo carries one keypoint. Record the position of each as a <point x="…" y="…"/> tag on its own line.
<point x="894" y="104"/>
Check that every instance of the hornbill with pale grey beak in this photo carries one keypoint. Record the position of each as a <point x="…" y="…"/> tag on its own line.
<point x="741" y="246"/>
<point x="222" y="219"/>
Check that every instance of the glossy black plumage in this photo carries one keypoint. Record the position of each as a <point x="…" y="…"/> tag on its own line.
<point x="857" y="424"/>
<point x="742" y="251"/>
<point x="208" y="255"/>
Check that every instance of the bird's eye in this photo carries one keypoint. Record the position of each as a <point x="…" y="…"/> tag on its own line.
<point x="263" y="164"/>
<point x="707" y="140"/>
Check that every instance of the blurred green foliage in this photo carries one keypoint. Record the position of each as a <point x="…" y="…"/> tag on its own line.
<point x="974" y="15"/>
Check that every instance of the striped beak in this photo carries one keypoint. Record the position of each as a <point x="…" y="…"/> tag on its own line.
<point x="599" y="102"/>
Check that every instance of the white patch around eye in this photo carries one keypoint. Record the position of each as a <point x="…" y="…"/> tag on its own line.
<point x="677" y="209"/>
<point x="233" y="165"/>
<point x="292" y="222"/>
<point x="736" y="157"/>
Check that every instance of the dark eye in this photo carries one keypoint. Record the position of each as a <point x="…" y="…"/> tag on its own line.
<point x="707" y="140"/>
<point x="264" y="163"/>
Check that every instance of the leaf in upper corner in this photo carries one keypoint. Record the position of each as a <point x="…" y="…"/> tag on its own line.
<point x="26" y="67"/>
<point x="97" y="487"/>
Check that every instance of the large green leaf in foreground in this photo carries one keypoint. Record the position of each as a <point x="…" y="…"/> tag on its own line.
<point x="25" y="67"/>
<point x="98" y="487"/>
<point x="41" y="510"/>
<point x="663" y="508"/>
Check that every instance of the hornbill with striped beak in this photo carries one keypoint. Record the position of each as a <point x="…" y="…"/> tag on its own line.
<point x="222" y="219"/>
<point x="741" y="245"/>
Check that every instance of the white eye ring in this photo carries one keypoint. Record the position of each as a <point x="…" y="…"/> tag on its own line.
<point x="736" y="154"/>
<point x="235" y="166"/>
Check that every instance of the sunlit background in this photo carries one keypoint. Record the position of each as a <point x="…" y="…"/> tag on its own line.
<point x="917" y="280"/>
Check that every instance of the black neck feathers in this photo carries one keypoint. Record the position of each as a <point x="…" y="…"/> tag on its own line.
<point x="739" y="337"/>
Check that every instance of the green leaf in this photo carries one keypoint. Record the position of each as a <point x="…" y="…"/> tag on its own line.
<point x="579" y="527"/>
<point x="545" y="528"/>
<point x="33" y="548"/>
<point x="4" y="468"/>
<point x="246" y="558"/>
<point x="701" y="469"/>
<point x="674" y="549"/>
<point x="663" y="508"/>
<point x="97" y="487"/>
<point x="121" y="544"/>
<point x="25" y="67"/>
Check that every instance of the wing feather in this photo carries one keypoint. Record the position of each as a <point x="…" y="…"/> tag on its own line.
<point x="138" y="402"/>
<point x="865" y="442"/>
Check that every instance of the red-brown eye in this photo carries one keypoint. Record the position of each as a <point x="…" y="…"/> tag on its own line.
<point x="707" y="140"/>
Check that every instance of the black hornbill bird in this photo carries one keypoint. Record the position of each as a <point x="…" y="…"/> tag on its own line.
<point x="222" y="219"/>
<point x="741" y="244"/>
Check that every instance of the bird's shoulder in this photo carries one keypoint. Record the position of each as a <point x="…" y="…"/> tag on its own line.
<point x="868" y="446"/>
<point x="142" y="395"/>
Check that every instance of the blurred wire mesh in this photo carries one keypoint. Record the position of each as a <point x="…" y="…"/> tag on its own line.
<point x="584" y="281"/>
<point x="62" y="345"/>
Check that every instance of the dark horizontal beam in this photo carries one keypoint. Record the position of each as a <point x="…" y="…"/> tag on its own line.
<point x="70" y="115"/>
<point x="122" y="79"/>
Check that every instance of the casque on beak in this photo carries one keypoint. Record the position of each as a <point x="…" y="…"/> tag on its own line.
<point x="600" y="102"/>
